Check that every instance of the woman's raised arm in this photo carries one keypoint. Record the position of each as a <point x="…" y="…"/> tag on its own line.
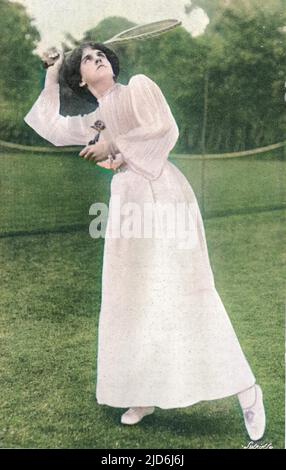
<point x="45" y="118"/>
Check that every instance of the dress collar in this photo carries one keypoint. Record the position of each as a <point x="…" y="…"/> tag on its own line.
<point x="108" y="91"/>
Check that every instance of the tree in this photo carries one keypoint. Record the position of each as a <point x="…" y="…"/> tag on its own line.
<point x="19" y="66"/>
<point x="21" y="71"/>
<point x="246" y="76"/>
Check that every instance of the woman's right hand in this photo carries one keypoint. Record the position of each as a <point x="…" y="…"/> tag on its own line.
<point x="54" y="59"/>
<point x="50" y="57"/>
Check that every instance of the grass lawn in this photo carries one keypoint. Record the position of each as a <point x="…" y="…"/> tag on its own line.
<point x="50" y="300"/>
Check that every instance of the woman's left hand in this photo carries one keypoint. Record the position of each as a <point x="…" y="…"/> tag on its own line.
<point x="97" y="152"/>
<point x="112" y="164"/>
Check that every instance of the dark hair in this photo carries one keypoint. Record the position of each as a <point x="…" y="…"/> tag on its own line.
<point x="71" y="66"/>
<point x="73" y="98"/>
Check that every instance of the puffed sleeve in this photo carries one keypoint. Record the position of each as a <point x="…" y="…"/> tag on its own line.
<point x="45" y="118"/>
<point x="146" y="147"/>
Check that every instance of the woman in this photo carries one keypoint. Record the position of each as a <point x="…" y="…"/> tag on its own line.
<point x="164" y="338"/>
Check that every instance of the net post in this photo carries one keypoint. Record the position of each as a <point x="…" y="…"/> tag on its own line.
<point x="203" y="142"/>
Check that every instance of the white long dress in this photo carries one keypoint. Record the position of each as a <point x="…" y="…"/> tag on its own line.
<point x="164" y="336"/>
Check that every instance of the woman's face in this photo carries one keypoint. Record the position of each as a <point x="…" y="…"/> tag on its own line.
<point x="94" y="66"/>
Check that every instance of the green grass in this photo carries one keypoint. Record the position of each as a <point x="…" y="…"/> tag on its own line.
<point x="50" y="300"/>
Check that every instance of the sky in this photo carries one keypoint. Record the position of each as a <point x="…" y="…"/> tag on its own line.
<point x="55" y="17"/>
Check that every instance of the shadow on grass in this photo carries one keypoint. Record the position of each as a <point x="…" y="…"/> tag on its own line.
<point x="180" y="422"/>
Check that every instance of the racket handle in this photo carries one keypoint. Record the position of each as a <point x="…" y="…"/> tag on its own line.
<point x="45" y="65"/>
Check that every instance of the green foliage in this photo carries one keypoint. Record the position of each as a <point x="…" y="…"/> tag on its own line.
<point x="20" y="72"/>
<point x="19" y="66"/>
<point x="108" y="28"/>
<point x="246" y="77"/>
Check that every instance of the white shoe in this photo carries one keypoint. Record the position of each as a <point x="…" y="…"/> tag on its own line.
<point x="134" y="415"/>
<point x="254" y="416"/>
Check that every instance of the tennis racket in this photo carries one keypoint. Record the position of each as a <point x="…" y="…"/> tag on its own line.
<point x="141" y="32"/>
<point x="145" y="31"/>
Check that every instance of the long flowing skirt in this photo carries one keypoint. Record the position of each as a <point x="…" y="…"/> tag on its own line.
<point x="164" y="336"/>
